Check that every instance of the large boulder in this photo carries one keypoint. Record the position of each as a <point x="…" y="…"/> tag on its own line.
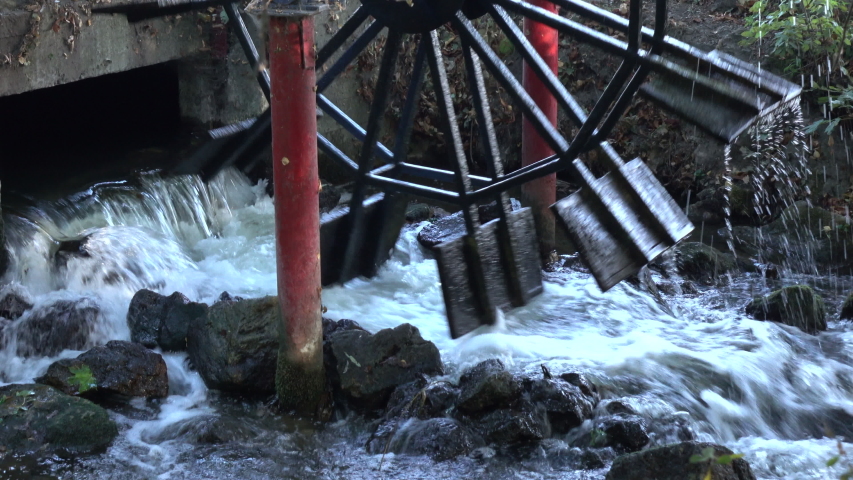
<point x="369" y="367"/>
<point x="159" y="321"/>
<point x="119" y="367"/>
<point x="672" y="462"/>
<point x="565" y="404"/>
<point x="234" y="346"/>
<point x="39" y="418"/>
<point x="798" y="306"/>
<point x="703" y="263"/>
<point x="62" y="325"/>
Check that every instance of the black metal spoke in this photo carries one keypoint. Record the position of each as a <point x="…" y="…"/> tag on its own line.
<point x="567" y="102"/>
<point x="512" y="86"/>
<point x="374" y="125"/>
<point x="407" y="117"/>
<point x="507" y="244"/>
<point x="349" y="55"/>
<point x="451" y="129"/>
<point x="337" y="41"/>
<point x="351" y="126"/>
<point x="570" y="27"/>
<point x="335" y="153"/>
<point x="242" y="33"/>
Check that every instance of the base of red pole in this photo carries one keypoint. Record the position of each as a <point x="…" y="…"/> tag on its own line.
<point x="541" y="193"/>
<point x="300" y="377"/>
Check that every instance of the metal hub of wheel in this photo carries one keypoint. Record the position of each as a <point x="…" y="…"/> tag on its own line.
<point x="619" y="221"/>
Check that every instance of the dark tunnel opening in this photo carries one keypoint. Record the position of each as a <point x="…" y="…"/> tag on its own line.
<point x="66" y="136"/>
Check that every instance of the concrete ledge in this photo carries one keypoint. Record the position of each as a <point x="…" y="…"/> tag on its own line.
<point x="53" y="45"/>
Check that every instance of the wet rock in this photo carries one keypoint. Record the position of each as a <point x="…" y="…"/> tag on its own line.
<point x="671" y="428"/>
<point x="623" y="433"/>
<point x="418" y="212"/>
<point x="565" y="404"/>
<point x="207" y="430"/>
<point x="13" y="305"/>
<point x="703" y="263"/>
<point x="442" y="230"/>
<point x="439" y="438"/>
<point x="802" y="239"/>
<point x="619" y="407"/>
<point x="847" y="308"/>
<point x="121" y="368"/>
<point x="330" y="327"/>
<point x="159" y="321"/>
<point x="38" y="418"/>
<point x="422" y="399"/>
<point x="798" y="306"/>
<point x="4" y="255"/>
<point x="487" y="385"/>
<point x="370" y="367"/>
<point x="62" y="325"/>
<point x="507" y="426"/>
<point x="234" y="346"/>
<point x="71" y="248"/>
<point x="581" y="381"/>
<point x="329" y="197"/>
<point x="579" y="458"/>
<point x="453" y="226"/>
<point x="672" y="462"/>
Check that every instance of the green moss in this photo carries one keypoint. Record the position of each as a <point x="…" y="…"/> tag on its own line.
<point x="300" y="388"/>
<point x="798" y="306"/>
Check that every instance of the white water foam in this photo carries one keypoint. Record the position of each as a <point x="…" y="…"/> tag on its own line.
<point x="751" y="385"/>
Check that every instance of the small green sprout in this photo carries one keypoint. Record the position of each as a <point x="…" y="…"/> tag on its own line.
<point x="82" y="378"/>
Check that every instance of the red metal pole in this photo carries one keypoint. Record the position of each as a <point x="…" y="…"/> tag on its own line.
<point x="300" y="378"/>
<point x="541" y="193"/>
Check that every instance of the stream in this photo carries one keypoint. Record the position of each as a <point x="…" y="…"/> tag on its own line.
<point x="762" y="389"/>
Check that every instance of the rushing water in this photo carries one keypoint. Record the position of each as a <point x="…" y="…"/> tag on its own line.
<point x="760" y="388"/>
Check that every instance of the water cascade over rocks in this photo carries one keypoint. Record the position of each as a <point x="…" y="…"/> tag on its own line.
<point x="115" y="294"/>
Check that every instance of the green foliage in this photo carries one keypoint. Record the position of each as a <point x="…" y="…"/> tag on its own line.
<point x="82" y="378"/>
<point x="597" y="437"/>
<point x="805" y="38"/>
<point x="800" y="34"/>
<point x="709" y="455"/>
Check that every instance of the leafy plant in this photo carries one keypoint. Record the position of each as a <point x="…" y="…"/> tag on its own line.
<point x="597" y="437"/>
<point x="842" y="457"/>
<point x="809" y="40"/>
<point x="709" y="455"/>
<point x="82" y="378"/>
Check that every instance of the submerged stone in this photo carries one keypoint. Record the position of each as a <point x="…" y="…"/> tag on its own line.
<point x="703" y="263"/>
<point x="41" y="419"/>
<point x="439" y="438"/>
<point x="62" y="325"/>
<point x="234" y="346"/>
<point x="119" y="367"/>
<point x="13" y="305"/>
<point x="672" y="462"/>
<point x="798" y="306"/>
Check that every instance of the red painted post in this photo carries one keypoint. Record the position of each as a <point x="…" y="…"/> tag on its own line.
<point x="300" y="378"/>
<point x="541" y="193"/>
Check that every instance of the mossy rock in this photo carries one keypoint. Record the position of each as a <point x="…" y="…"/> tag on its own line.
<point x="703" y="263"/>
<point x="41" y="419"/>
<point x="809" y="240"/>
<point x="673" y="462"/>
<point x="847" y="308"/>
<point x="798" y="306"/>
